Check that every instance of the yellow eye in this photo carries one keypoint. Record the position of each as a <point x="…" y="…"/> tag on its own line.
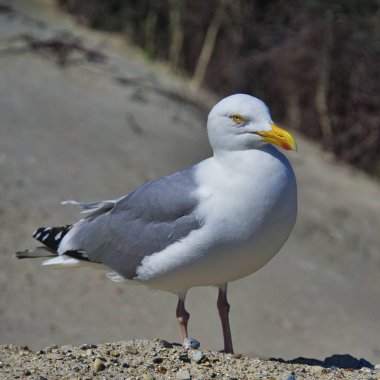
<point x="238" y="119"/>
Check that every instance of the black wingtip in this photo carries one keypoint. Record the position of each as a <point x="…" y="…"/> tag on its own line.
<point x="51" y="236"/>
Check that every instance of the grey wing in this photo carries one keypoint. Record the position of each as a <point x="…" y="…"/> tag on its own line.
<point x="121" y="233"/>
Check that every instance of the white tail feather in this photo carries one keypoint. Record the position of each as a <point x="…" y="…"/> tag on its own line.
<point x="62" y="261"/>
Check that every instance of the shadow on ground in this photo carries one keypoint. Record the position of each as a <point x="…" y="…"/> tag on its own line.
<point x="344" y="361"/>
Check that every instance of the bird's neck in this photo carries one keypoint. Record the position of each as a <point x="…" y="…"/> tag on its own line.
<point x="241" y="158"/>
<point x="266" y="159"/>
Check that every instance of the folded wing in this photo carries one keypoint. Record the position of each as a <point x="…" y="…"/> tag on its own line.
<point x="121" y="233"/>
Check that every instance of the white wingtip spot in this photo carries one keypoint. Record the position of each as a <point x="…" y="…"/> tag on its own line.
<point x="83" y="253"/>
<point x="38" y="235"/>
<point x="45" y="237"/>
<point x="58" y="236"/>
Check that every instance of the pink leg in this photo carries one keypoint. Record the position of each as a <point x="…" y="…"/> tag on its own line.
<point x="224" y="308"/>
<point x="182" y="317"/>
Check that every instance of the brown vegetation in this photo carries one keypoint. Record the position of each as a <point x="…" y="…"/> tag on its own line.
<point x="315" y="62"/>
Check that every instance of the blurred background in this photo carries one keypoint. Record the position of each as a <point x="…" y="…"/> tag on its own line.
<point x="315" y="62"/>
<point x="98" y="97"/>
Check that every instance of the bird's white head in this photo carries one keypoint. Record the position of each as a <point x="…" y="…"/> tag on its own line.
<point x="241" y="122"/>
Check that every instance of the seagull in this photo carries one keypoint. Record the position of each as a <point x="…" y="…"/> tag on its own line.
<point x="207" y="225"/>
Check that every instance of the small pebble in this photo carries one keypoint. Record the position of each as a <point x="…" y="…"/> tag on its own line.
<point x="162" y="369"/>
<point x="98" y="365"/>
<point x="130" y="350"/>
<point x="51" y="348"/>
<point x="191" y="343"/>
<point x="157" y="360"/>
<point x="165" y="344"/>
<point x="377" y="366"/>
<point x="115" y="353"/>
<point x="183" y="374"/>
<point x="184" y="358"/>
<point x="198" y="356"/>
<point x="66" y="348"/>
<point x="290" y="377"/>
<point x="148" y="376"/>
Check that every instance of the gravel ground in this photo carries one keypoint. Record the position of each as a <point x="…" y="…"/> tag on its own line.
<point x="159" y="359"/>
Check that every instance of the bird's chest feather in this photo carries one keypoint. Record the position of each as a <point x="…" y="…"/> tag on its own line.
<point x="239" y="200"/>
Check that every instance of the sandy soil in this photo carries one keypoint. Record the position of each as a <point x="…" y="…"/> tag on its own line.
<point x="91" y="131"/>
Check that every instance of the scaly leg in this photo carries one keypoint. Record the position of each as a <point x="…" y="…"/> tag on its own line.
<point x="224" y="308"/>
<point x="182" y="316"/>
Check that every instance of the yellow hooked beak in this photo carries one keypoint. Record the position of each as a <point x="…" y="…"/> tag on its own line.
<point x="280" y="137"/>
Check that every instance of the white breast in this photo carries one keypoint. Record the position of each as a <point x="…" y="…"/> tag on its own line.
<point x="248" y="205"/>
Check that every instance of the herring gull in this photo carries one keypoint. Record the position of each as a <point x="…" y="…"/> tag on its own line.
<point x="207" y="225"/>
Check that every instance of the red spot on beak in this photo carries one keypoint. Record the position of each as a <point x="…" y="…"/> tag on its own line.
<point x="286" y="146"/>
